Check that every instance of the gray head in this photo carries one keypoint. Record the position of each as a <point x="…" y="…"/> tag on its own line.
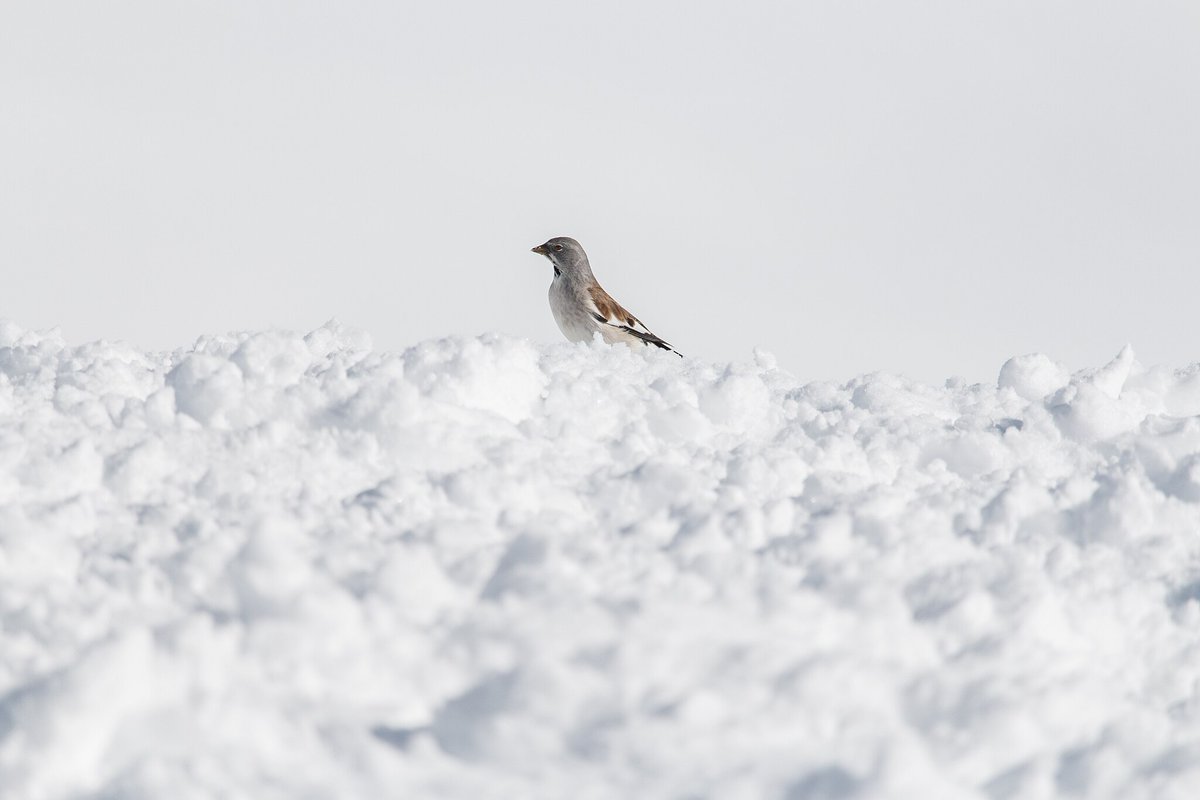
<point x="567" y="256"/>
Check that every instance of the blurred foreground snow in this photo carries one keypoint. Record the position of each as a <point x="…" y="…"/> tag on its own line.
<point x="276" y="566"/>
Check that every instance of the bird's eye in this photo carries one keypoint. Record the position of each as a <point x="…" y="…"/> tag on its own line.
<point x="558" y="248"/>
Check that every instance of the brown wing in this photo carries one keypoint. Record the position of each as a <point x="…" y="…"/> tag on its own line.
<point x="609" y="312"/>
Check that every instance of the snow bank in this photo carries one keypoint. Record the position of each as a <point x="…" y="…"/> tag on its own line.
<point x="280" y="566"/>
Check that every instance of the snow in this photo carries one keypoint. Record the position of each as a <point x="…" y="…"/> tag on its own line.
<point x="284" y="566"/>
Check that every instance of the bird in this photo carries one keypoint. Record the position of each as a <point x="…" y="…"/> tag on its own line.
<point x="580" y="305"/>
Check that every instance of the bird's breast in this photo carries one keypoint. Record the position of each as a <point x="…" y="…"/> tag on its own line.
<point x="569" y="314"/>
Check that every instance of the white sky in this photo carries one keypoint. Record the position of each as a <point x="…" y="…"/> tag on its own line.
<point x="919" y="187"/>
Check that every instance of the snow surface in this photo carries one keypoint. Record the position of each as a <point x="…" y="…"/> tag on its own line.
<point x="283" y="566"/>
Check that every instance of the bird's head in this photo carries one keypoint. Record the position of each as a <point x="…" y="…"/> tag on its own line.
<point x="566" y="255"/>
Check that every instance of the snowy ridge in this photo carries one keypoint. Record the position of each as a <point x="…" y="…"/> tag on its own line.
<point x="281" y="566"/>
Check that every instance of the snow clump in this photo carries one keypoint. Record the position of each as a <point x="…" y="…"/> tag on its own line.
<point x="280" y="566"/>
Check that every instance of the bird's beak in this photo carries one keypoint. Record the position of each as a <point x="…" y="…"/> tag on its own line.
<point x="540" y="250"/>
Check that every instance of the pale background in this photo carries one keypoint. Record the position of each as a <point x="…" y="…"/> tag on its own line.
<point x="920" y="187"/>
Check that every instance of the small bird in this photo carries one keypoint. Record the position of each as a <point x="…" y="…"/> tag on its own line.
<point x="580" y="305"/>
